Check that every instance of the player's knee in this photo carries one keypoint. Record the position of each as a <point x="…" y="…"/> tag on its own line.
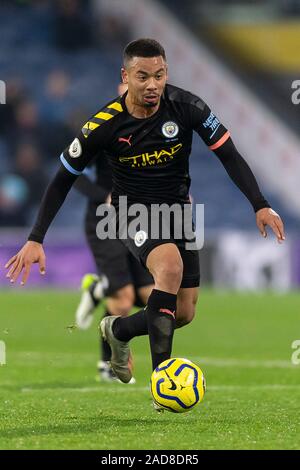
<point x="169" y="273"/>
<point x="184" y="319"/>
<point x="122" y="302"/>
<point x="126" y="307"/>
<point x="121" y="308"/>
<point x="165" y="264"/>
<point x="185" y="314"/>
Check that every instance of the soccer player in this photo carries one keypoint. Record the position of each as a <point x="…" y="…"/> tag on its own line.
<point x="124" y="281"/>
<point x="147" y="134"/>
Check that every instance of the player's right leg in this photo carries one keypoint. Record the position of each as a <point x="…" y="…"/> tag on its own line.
<point x="165" y="264"/>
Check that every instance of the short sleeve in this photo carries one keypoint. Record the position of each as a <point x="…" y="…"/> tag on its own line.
<point x="83" y="149"/>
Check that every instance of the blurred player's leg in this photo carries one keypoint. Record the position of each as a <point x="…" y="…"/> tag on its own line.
<point x="93" y="290"/>
<point x="110" y="257"/>
<point x="136" y="324"/>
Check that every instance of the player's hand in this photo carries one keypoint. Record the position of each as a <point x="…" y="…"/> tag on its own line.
<point x="267" y="216"/>
<point x="32" y="252"/>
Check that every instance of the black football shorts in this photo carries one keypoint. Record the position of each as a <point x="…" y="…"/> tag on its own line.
<point x="140" y="244"/>
<point x="115" y="261"/>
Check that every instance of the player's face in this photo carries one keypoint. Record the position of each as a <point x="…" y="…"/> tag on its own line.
<point x="146" y="78"/>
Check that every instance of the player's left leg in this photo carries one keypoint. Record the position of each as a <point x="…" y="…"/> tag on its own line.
<point x="166" y="265"/>
<point x="189" y="290"/>
<point x="186" y="305"/>
<point x="126" y="329"/>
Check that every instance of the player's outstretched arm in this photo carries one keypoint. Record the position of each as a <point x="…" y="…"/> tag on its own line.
<point x="73" y="161"/>
<point x="32" y="251"/>
<point x="241" y="174"/>
<point x="20" y="264"/>
<point x="268" y="217"/>
<point x="218" y="139"/>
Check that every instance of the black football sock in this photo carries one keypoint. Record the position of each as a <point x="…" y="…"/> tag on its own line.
<point x="127" y="328"/>
<point x="160" y="312"/>
<point x="105" y="351"/>
<point x="159" y="317"/>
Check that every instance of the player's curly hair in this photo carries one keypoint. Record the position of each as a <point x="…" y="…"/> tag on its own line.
<point x="143" y="47"/>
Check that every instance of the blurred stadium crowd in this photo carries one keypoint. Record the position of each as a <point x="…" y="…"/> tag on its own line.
<point x="50" y="51"/>
<point x="60" y="62"/>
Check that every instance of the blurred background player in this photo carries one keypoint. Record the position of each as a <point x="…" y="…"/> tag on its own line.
<point x="122" y="278"/>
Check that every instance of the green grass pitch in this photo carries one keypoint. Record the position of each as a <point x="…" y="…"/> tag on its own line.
<point x="49" y="398"/>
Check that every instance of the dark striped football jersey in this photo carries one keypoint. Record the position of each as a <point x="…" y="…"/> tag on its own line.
<point x="149" y="158"/>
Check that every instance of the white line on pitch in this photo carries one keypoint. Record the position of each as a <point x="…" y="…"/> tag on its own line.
<point x="132" y="388"/>
<point x="129" y="388"/>
<point x="61" y="359"/>
<point x="233" y="362"/>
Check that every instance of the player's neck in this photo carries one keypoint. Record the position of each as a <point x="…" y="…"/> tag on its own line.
<point x="140" y="112"/>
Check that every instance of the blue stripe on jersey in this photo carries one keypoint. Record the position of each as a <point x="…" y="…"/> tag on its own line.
<point x="68" y="167"/>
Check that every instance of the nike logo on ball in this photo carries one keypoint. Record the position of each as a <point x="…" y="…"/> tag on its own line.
<point x="174" y="386"/>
